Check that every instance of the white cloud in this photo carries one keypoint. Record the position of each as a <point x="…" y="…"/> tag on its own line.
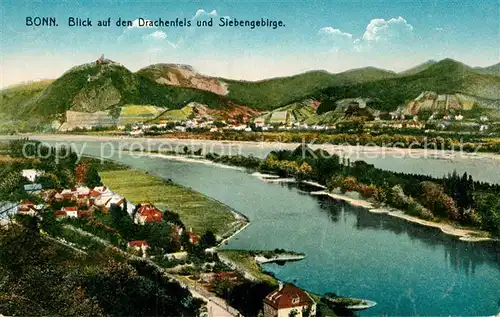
<point x="380" y="29"/>
<point x="439" y="29"/>
<point x="157" y="36"/>
<point x="135" y="27"/>
<point x="329" y="31"/>
<point x="203" y="13"/>
<point x="377" y="31"/>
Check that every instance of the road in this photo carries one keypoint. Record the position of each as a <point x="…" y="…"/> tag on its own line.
<point x="216" y="306"/>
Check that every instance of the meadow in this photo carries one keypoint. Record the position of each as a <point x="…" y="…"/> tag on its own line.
<point x="195" y="210"/>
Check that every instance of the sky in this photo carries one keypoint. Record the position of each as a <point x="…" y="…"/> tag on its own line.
<point x="329" y="35"/>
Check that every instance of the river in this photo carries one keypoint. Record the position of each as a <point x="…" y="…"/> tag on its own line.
<point x="406" y="268"/>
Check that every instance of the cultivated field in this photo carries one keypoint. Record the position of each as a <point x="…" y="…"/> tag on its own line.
<point x="196" y="211"/>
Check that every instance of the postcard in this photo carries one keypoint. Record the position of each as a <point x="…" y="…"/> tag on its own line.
<point x="250" y="158"/>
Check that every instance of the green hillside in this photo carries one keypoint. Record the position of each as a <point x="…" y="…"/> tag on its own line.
<point x="418" y="68"/>
<point x="92" y="87"/>
<point x="109" y="86"/>
<point x="176" y="114"/>
<point x="88" y="87"/>
<point x="295" y="112"/>
<point x="14" y="99"/>
<point x="490" y="70"/>
<point x="444" y="77"/>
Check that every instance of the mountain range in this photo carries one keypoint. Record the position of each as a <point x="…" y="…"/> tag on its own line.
<point x="105" y="85"/>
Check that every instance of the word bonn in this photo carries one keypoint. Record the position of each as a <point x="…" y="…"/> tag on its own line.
<point x="41" y="21"/>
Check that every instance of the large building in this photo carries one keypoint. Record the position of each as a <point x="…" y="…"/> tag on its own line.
<point x="288" y="300"/>
<point x="87" y="120"/>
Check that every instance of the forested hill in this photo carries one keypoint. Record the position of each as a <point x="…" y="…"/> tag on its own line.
<point x="444" y="77"/>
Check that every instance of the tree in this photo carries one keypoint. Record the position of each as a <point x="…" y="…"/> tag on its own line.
<point x="247" y="296"/>
<point x="208" y="239"/>
<point x="116" y="213"/>
<point x="158" y="235"/>
<point x="92" y="178"/>
<point x="49" y="180"/>
<point x="434" y="198"/>
<point x="173" y="217"/>
<point x="305" y="171"/>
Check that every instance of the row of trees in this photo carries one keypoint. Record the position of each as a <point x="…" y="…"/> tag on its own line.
<point x="416" y="140"/>
<point x="453" y="197"/>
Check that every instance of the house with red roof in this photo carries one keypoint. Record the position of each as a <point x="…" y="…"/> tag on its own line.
<point x="29" y="208"/>
<point x="68" y="194"/>
<point x="71" y="211"/>
<point x="84" y="213"/>
<point x="193" y="237"/>
<point x="148" y="213"/>
<point x="49" y="195"/>
<point x="288" y="300"/>
<point x="60" y="214"/>
<point x="94" y="194"/>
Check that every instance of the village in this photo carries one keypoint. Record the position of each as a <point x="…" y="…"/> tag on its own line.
<point x="284" y="121"/>
<point x="86" y="216"/>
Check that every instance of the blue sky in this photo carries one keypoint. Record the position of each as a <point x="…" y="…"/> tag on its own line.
<point x="330" y="35"/>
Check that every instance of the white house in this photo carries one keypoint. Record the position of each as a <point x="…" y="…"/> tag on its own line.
<point x="288" y="300"/>
<point x="102" y="189"/>
<point x="71" y="212"/>
<point x="102" y="200"/>
<point x="136" y="133"/>
<point x="176" y="256"/>
<point x="140" y="246"/>
<point x="31" y="174"/>
<point x="29" y="208"/>
<point x="115" y="199"/>
<point x="82" y="190"/>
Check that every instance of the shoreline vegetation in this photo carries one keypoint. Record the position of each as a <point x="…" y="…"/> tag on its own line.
<point x="456" y="204"/>
<point x="251" y="261"/>
<point x="447" y="226"/>
<point x="463" y="234"/>
<point x="431" y="151"/>
<point x="414" y="140"/>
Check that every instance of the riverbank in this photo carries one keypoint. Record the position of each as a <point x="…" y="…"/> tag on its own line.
<point x="463" y="234"/>
<point x="469" y="235"/>
<point x="211" y="145"/>
<point x="285" y="257"/>
<point x="249" y="262"/>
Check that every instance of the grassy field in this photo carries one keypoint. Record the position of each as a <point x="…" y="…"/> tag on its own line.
<point x="141" y="110"/>
<point x="246" y="261"/>
<point x="131" y="114"/>
<point x="176" y="114"/>
<point x="196" y="211"/>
